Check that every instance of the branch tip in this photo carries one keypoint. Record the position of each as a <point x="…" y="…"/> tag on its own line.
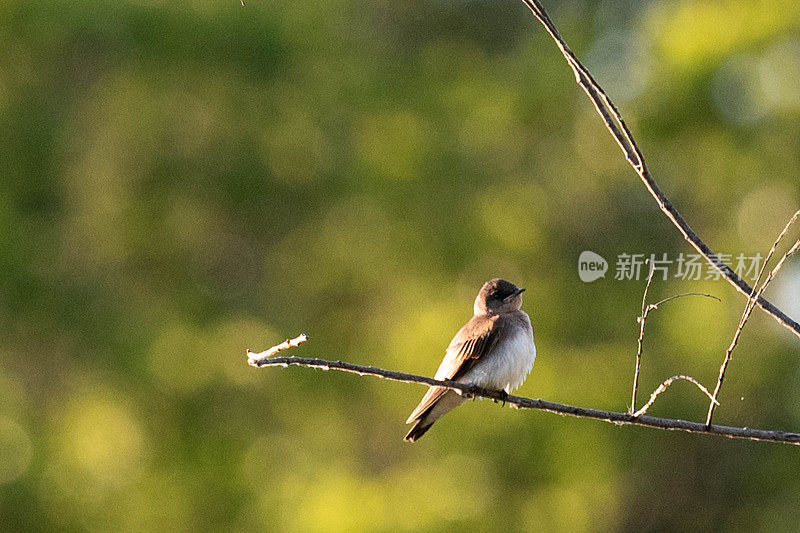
<point x="255" y="359"/>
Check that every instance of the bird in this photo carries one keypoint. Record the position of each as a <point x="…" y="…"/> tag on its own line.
<point x="493" y="350"/>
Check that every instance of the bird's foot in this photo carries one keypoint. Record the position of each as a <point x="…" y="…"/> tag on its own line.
<point x="503" y="397"/>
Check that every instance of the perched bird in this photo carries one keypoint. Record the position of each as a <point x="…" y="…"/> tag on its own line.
<point x="494" y="350"/>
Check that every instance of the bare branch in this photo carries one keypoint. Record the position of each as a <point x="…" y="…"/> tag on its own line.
<point x="622" y="135"/>
<point x="667" y="382"/>
<point x="748" y="309"/>
<point x="642" y="319"/>
<point x="520" y="402"/>
<point x="254" y="358"/>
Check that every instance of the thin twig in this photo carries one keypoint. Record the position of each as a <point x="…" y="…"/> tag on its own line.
<point x="622" y="135"/>
<point x="253" y="358"/>
<point x="642" y="319"/>
<point x="681" y="295"/>
<point x="667" y="382"/>
<point x="530" y="403"/>
<point x="748" y="309"/>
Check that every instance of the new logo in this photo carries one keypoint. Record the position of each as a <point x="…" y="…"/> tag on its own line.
<point x="591" y="266"/>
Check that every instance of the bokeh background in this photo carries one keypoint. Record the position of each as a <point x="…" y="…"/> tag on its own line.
<point x="181" y="181"/>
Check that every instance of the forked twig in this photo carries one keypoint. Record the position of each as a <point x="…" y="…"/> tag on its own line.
<point x="642" y="319"/>
<point x="622" y="135"/>
<point x="748" y="309"/>
<point x="667" y="382"/>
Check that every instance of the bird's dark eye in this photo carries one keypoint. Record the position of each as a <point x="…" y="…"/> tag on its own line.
<point x="502" y="295"/>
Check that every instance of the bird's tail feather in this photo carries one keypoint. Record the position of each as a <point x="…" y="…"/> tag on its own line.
<point x="417" y="431"/>
<point x="445" y="401"/>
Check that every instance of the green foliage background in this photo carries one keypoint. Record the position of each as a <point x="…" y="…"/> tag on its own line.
<point x="184" y="180"/>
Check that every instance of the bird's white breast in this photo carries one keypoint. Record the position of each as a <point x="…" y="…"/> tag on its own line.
<point x="508" y="365"/>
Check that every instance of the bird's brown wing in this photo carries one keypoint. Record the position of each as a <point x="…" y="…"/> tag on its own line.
<point x="477" y="338"/>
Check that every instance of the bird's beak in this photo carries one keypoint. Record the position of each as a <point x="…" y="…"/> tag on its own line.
<point x="515" y="293"/>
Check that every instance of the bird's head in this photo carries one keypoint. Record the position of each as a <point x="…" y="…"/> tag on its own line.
<point x="498" y="296"/>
